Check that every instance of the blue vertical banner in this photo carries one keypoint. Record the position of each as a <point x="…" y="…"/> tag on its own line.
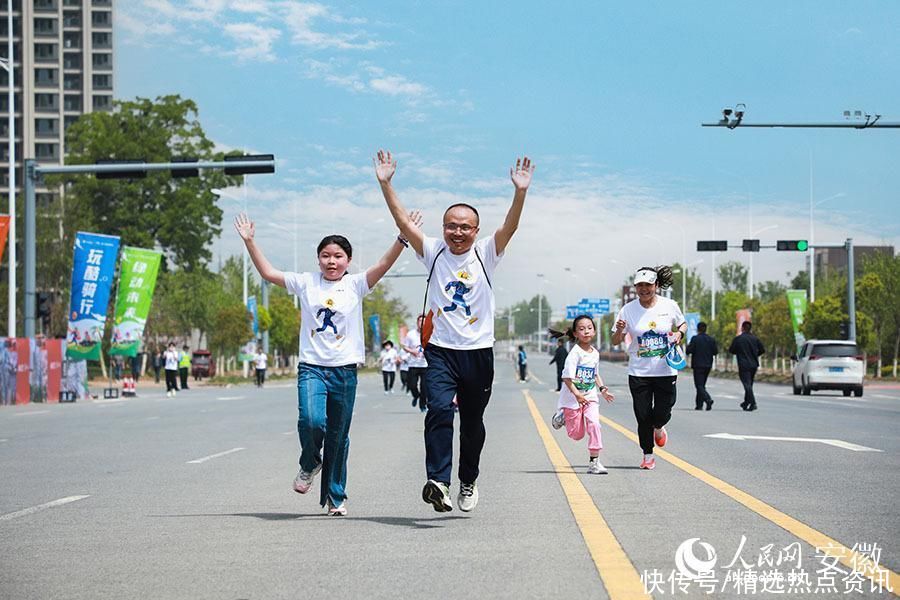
<point x="375" y="325"/>
<point x="692" y="319"/>
<point x="254" y="312"/>
<point x="92" y="277"/>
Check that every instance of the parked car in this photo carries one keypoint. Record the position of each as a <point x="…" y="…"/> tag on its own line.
<point x="202" y="364"/>
<point x="828" y="365"/>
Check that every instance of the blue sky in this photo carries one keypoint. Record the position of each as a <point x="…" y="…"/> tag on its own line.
<point x="607" y="98"/>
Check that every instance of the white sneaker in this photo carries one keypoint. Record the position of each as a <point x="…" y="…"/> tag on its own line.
<point x="304" y="480"/>
<point x="558" y="420"/>
<point x="336" y="511"/>
<point x="437" y="494"/>
<point x="596" y="468"/>
<point x="467" y="499"/>
<point x="169" y="394"/>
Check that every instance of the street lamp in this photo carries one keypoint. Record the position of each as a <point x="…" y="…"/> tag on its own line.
<point x="8" y="66"/>
<point x="684" y="273"/>
<point x="293" y="232"/>
<point x="810" y="251"/>
<point x="243" y="200"/>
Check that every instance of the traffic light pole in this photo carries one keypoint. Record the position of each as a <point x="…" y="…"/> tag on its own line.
<point x="851" y="284"/>
<point x="34" y="171"/>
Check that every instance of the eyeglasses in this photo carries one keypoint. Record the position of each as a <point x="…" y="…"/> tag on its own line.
<point x="465" y="228"/>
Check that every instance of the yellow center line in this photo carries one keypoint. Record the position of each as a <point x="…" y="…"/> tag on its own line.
<point x="850" y="558"/>
<point x="619" y="576"/>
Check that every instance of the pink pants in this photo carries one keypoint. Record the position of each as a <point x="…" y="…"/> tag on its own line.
<point x="584" y="419"/>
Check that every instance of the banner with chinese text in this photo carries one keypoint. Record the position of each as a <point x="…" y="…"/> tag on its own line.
<point x="137" y="280"/>
<point x="92" y="275"/>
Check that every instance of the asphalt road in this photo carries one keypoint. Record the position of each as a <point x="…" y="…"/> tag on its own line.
<point x="191" y="497"/>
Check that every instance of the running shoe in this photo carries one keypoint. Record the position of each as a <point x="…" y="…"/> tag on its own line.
<point x="304" y="480"/>
<point x="336" y="511"/>
<point x="467" y="498"/>
<point x="558" y="419"/>
<point x="648" y="463"/>
<point x="437" y="494"/>
<point x="660" y="436"/>
<point x="596" y="468"/>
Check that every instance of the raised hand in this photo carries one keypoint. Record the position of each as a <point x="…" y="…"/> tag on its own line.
<point x="521" y="174"/>
<point x="244" y="226"/>
<point x="385" y="166"/>
<point x="416" y="217"/>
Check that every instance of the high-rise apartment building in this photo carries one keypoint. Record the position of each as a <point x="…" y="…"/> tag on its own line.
<point x="63" y="68"/>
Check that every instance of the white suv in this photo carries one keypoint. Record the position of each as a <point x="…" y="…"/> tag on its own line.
<point x="828" y="365"/>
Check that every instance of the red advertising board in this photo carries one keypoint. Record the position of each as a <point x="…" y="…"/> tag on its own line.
<point x="23" y="371"/>
<point x="54" y="369"/>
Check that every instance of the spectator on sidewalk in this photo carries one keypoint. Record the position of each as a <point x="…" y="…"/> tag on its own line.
<point x="559" y="358"/>
<point x="747" y="348"/>
<point x="703" y="349"/>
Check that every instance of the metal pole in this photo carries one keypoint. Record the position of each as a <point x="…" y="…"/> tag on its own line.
<point x="11" y="318"/>
<point x="30" y="247"/>
<point x="265" y="303"/>
<point x="851" y="291"/>
<point x="540" y="328"/>
<point x="810" y="252"/>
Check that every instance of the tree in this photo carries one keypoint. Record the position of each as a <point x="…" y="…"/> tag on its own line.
<point x="800" y="281"/>
<point x="724" y="328"/>
<point x="768" y="291"/>
<point x="284" y="334"/>
<point x="697" y="291"/>
<point x="179" y="216"/>
<point x="772" y="324"/>
<point x="232" y="328"/>
<point x="388" y="308"/>
<point x="823" y="318"/>
<point x="733" y="276"/>
<point x="887" y="269"/>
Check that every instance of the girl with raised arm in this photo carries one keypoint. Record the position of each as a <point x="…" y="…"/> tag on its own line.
<point x="331" y="347"/>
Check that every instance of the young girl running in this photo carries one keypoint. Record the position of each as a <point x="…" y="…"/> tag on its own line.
<point x="578" y="406"/>
<point x="331" y="347"/>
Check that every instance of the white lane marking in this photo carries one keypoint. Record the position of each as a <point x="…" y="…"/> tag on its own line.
<point x="110" y="404"/>
<point x="883" y="396"/>
<point x="231" y="397"/>
<point x="28" y="414"/>
<point x="40" y="507"/>
<point x="830" y="442"/>
<point x="3" y="440"/>
<point x="212" y="456"/>
<point x="841" y="402"/>
<point x="289" y="433"/>
<point x="151" y="418"/>
<point x="110" y="400"/>
<point x="536" y="378"/>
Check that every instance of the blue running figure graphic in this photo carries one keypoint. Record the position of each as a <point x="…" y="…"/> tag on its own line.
<point x="459" y="290"/>
<point x="326" y="321"/>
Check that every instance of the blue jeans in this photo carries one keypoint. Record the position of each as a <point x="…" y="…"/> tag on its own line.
<point x="325" y="399"/>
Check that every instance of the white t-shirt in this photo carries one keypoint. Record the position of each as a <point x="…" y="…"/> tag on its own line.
<point x="413" y="340"/>
<point x="388" y="360"/>
<point x="171" y="360"/>
<point x="459" y="295"/>
<point x="331" y="324"/>
<point x="581" y="367"/>
<point x="649" y="329"/>
<point x="260" y="360"/>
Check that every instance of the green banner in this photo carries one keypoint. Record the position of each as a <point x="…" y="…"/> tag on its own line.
<point x="393" y="334"/>
<point x="797" y="307"/>
<point x="137" y="280"/>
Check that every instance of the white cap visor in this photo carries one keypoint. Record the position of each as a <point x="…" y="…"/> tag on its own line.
<point x="644" y="276"/>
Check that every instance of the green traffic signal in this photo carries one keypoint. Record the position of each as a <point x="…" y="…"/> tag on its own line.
<point x="802" y="245"/>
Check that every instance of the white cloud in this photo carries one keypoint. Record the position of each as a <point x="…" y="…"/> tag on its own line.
<point x="397" y="85"/>
<point x="254" y="42"/>
<point x="299" y="17"/>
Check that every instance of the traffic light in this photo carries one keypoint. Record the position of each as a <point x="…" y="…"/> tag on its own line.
<point x="136" y="174"/>
<point x="249" y="170"/>
<point x="183" y="173"/>
<point x="750" y="246"/>
<point x="793" y="245"/>
<point x="845" y="330"/>
<point x="44" y="304"/>
<point x="712" y="246"/>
